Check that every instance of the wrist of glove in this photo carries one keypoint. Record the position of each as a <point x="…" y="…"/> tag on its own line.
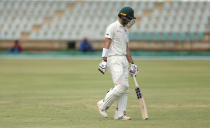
<point x="133" y="69"/>
<point x="102" y="66"/>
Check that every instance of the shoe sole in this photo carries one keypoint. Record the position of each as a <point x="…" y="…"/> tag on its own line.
<point x="127" y="119"/>
<point x="123" y="119"/>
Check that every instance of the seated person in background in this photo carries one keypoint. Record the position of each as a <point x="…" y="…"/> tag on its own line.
<point x="16" y="48"/>
<point x="85" y="45"/>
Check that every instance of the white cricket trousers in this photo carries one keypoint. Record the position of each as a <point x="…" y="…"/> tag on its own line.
<point x="118" y="66"/>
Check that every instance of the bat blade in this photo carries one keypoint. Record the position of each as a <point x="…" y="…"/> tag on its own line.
<point x="143" y="109"/>
<point x="141" y="101"/>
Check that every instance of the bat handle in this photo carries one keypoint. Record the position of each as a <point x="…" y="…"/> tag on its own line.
<point x="135" y="81"/>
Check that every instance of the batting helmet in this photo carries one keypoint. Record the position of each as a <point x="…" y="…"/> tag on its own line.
<point x="127" y="12"/>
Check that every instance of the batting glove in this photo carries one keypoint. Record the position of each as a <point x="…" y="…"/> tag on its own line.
<point x="102" y="67"/>
<point x="133" y="69"/>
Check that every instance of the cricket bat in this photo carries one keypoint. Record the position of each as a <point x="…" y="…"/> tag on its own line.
<point x="141" y="100"/>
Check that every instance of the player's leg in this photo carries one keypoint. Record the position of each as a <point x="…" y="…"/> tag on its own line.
<point x="116" y="69"/>
<point x="121" y="105"/>
<point x="120" y="112"/>
<point x="112" y="96"/>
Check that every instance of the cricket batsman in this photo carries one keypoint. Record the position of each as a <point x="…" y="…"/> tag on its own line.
<point x="116" y="56"/>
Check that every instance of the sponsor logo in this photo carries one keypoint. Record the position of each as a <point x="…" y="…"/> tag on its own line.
<point x="119" y="31"/>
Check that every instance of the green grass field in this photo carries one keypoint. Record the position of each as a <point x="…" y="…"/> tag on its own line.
<point x="62" y="93"/>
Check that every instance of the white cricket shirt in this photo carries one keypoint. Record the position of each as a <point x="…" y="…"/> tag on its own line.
<point x="119" y="36"/>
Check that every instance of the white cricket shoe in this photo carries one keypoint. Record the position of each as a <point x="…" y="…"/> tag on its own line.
<point x="124" y="117"/>
<point x="102" y="112"/>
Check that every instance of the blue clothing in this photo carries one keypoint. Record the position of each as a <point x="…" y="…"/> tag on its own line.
<point x="13" y="50"/>
<point x="85" y="46"/>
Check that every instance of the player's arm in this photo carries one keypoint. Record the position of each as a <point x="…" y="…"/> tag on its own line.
<point x="103" y="65"/>
<point x="128" y="55"/>
<point x="106" y="47"/>
<point x="133" y="68"/>
<point x="108" y="39"/>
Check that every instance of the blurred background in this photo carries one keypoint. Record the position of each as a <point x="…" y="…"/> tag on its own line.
<point x="50" y="51"/>
<point x="61" y="25"/>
